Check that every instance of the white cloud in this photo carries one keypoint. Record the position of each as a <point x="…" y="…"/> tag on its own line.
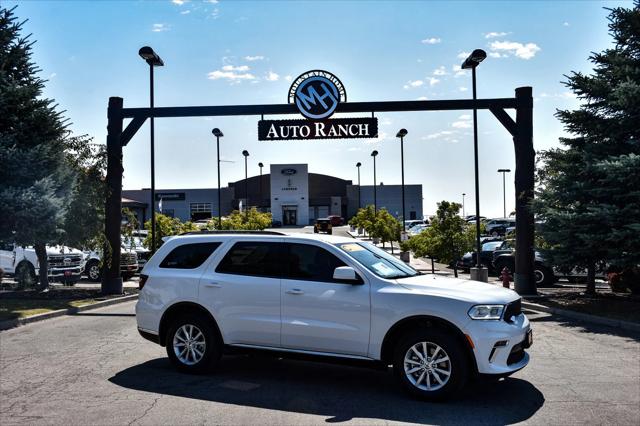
<point x="158" y="28"/>
<point x="438" y="135"/>
<point x="565" y="24"/>
<point x="215" y="14"/>
<point x="185" y="12"/>
<point x="353" y="149"/>
<point x="211" y="1"/>
<point x="272" y="76"/>
<point x="440" y="71"/>
<point x="238" y="68"/>
<point x="463" y="55"/>
<point x="523" y="51"/>
<point x="178" y="2"/>
<point x="465" y="117"/>
<point x="462" y="89"/>
<point x="414" y="83"/>
<point x="431" y="40"/>
<point x="433" y="81"/>
<point x="494" y="34"/>
<point x="422" y="98"/>
<point x="288" y="78"/>
<point x="563" y="95"/>
<point x="52" y="75"/>
<point x="496" y="55"/>
<point x="457" y="70"/>
<point x="386" y="122"/>
<point x="461" y="124"/>
<point x="253" y="58"/>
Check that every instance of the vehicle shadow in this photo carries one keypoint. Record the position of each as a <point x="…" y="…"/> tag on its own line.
<point x="338" y="392"/>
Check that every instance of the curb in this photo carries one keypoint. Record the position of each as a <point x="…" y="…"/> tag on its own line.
<point x="8" y="324"/>
<point x="594" y="319"/>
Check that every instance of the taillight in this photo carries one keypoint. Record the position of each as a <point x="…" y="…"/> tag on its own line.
<point x="143" y="280"/>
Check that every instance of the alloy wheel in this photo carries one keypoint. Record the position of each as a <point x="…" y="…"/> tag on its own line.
<point x="94" y="272"/>
<point x="189" y="344"/>
<point x="427" y="366"/>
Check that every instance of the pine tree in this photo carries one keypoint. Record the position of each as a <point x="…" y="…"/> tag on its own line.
<point x="33" y="180"/>
<point x="589" y="191"/>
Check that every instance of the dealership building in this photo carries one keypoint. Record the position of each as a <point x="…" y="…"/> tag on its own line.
<point x="292" y="195"/>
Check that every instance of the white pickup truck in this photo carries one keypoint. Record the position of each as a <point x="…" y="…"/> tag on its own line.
<point x="65" y="264"/>
<point x="128" y="264"/>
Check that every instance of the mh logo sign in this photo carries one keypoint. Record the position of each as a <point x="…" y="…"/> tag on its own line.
<point x="317" y="94"/>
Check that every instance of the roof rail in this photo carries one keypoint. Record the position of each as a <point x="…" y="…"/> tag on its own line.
<point x="231" y="232"/>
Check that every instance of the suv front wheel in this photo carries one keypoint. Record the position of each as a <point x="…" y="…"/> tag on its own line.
<point x="430" y="365"/>
<point x="193" y="345"/>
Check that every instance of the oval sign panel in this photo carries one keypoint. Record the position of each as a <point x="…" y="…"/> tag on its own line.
<point x="317" y="94"/>
<point x="288" y="172"/>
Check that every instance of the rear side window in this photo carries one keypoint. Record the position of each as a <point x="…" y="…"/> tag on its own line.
<point x="312" y="263"/>
<point x="261" y="259"/>
<point x="189" y="256"/>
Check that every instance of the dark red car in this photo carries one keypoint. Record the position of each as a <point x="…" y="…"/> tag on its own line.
<point x="336" y="220"/>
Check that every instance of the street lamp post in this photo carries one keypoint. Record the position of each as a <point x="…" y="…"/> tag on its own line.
<point x="153" y="60"/>
<point x="359" y="202"/>
<point x="261" y="166"/>
<point x="504" y="193"/>
<point x="463" y="214"/>
<point x="374" y="154"/>
<point x="401" y="134"/>
<point x="472" y="62"/>
<point x="218" y="134"/>
<point x="246" y="185"/>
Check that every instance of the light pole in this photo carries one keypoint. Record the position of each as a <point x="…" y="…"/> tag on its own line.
<point x="246" y="185"/>
<point x="359" y="203"/>
<point x="472" y="62"/>
<point x="261" y="166"/>
<point x="218" y="134"/>
<point x="153" y="60"/>
<point x="374" y="154"/>
<point x="401" y="134"/>
<point x="463" y="214"/>
<point x="504" y="194"/>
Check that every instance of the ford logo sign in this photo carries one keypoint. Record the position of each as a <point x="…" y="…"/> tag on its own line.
<point x="289" y="172"/>
<point x="67" y="261"/>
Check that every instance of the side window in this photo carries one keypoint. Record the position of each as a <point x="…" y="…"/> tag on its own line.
<point x="189" y="256"/>
<point x="312" y="263"/>
<point x="262" y="259"/>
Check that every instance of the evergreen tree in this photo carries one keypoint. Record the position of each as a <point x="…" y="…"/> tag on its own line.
<point x="589" y="191"/>
<point x="34" y="181"/>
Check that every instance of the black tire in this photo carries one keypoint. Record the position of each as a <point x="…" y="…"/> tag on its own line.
<point x="315" y="230"/>
<point x="26" y="275"/>
<point x="329" y="232"/>
<point x="456" y="365"/>
<point x="212" y="344"/>
<point x="544" y="276"/>
<point x="93" y="271"/>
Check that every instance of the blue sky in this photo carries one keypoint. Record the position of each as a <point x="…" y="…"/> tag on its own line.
<point x="246" y="52"/>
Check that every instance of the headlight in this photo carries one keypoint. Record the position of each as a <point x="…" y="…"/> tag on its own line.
<point x="486" y="312"/>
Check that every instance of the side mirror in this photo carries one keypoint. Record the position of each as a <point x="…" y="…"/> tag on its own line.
<point x="346" y="273"/>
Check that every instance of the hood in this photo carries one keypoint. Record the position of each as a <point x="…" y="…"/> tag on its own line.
<point x="474" y="292"/>
<point x="58" y="250"/>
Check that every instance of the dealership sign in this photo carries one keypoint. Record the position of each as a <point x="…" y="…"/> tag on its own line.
<point x="317" y="94"/>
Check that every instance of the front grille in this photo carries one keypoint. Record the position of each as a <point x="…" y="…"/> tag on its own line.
<point x="64" y="261"/>
<point x="128" y="259"/>
<point x="513" y="309"/>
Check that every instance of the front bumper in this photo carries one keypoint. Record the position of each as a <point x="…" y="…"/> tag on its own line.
<point x="499" y="346"/>
<point x="65" y="274"/>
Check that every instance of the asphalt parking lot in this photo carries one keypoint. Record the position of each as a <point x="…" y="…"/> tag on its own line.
<point x="94" y="368"/>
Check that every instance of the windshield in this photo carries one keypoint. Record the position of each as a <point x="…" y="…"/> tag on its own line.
<point x="378" y="261"/>
<point x="491" y="246"/>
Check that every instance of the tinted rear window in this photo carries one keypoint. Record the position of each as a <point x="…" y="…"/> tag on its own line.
<point x="189" y="256"/>
<point x="263" y="259"/>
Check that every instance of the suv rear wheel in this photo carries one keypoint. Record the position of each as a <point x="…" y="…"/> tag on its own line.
<point x="193" y="345"/>
<point x="430" y="365"/>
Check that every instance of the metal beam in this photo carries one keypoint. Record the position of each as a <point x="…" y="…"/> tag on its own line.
<point x="505" y="119"/>
<point x="278" y="109"/>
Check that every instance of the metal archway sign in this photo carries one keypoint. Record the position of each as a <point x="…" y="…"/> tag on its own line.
<point x="521" y="130"/>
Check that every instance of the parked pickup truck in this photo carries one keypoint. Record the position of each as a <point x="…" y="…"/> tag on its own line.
<point x="128" y="264"/>
<point x="65" y="264"/>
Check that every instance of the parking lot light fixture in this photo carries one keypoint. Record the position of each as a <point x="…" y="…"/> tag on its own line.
<point x="472" y="62"/>
<point x="218" y="134"/>
<point x="374" y="154"/>
<point x="153" y="60"/>
<point x="463" y="214"/>
<point x="246" y="184"/>
<point x="401" y="134"/>
<point x="358" y="167"/>
<point x="504" y="194"/>
<point x="261" y="166"/>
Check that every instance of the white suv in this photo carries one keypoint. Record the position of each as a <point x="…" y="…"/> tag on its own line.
<point x="327" y="296"/>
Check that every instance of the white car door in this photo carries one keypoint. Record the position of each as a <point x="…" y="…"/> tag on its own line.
<point x="242" y="289"/>
<point x="319" y="313"/>
<point x="6" y="257"/>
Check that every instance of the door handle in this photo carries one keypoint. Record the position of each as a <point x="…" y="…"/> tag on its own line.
<point x="295" y="291"/>
<point x="213" y="284"/>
